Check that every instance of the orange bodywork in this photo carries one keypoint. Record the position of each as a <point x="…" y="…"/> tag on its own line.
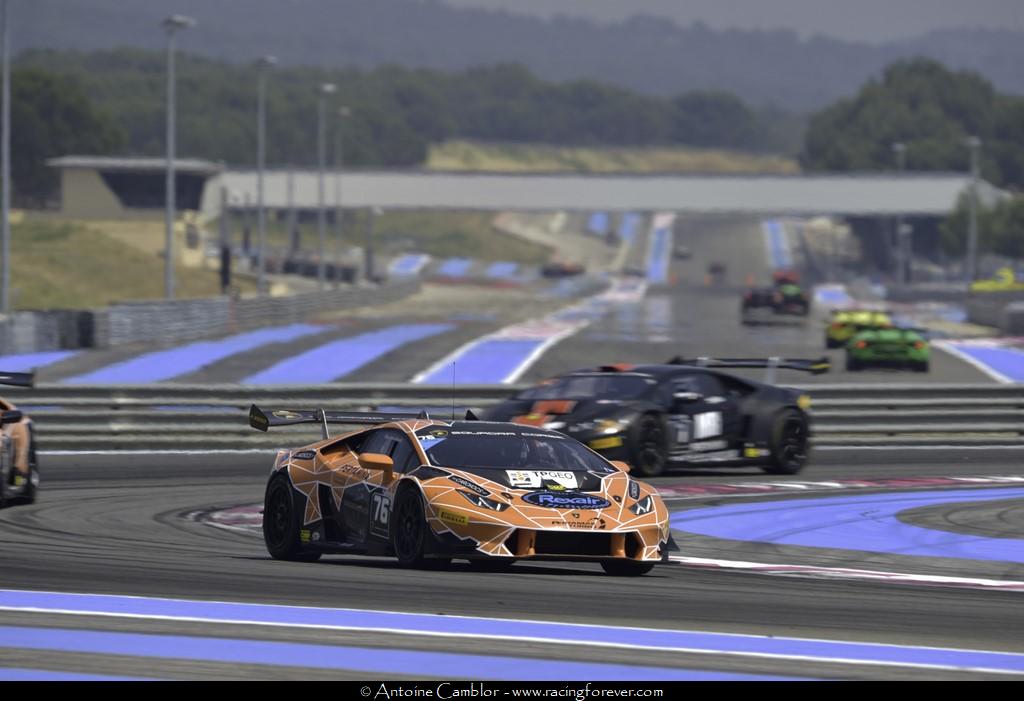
<point x="19" y="435"/>
<point x="519" y="530"/>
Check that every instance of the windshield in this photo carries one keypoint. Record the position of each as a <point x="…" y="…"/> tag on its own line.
<point x="605" y="386"/>
<point x="509" y="449"/>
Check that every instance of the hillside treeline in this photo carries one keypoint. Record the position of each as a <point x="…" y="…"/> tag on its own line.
<point x="396" y="113"/>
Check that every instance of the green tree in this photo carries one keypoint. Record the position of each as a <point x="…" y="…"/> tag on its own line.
<point x="930" y="109"/>
<point x="51" y="116"/>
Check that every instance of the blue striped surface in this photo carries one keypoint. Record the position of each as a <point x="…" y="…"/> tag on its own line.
<point x="658" y="256"/>
<point x="337" y="359"/>
<point x="466" y="627"/>
<point x="502" y="269"/>
<point x="840" y="522"/>
<point x="174" y="362"/>
<point x="371" y="660"/>
<point x="410" y="264"/>
<point x="455" y="267"/>
<point x="778" y="248"/>
<point x="597" y="223"/>
<point x="1006" y="361"/>
<point x="24" y="362"/>
<point x="491" y="361"/>
<point x="628" y="226"/>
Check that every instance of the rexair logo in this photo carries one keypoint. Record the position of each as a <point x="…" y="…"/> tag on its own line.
<point x="565" y="500"/>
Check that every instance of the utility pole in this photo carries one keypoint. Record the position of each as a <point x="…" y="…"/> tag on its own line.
<point x="974" y="144"/>
<point x="171" y="25"/>
<point x="902" y="254"/>
<point x="265" y="64"/>
<point x="321" y="212"/>
<point x="5" y="167"/>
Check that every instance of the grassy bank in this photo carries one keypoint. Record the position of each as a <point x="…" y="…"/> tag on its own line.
<point x="465" y="155"/>
<point x="58" y="265"/>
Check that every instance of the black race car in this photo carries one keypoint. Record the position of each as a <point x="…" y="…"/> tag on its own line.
<point x="766" y="304"/>
<point x="685" y="411"/>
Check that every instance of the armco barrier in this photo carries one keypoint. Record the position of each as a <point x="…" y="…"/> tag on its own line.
<point x="215" y="416"/>
<point x="180" y="320"/>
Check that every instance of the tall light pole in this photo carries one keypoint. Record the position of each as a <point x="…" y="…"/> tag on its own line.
<point x="5" y="167"/>
<point x="900" y="149"/>
<point x="343" y="113"/>
<point x="325" y="90"/>
<point x="264" y="66"/>
<point x="974" y="144"/>
<point x="171" y="25"/>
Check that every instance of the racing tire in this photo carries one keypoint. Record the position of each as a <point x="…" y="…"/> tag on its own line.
<point x="853" y="365"/>
<point x="831" y="343"/>
<point x="648" y="446"/>
<point x="788" y="443"/>
<point x="626" y="568"/>
<point x="32" y="487"/>
<point x="921" y="366"/>
<point x="409" y="529"/>
<point x="281" y="523"/>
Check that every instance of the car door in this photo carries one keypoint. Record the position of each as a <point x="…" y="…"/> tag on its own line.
<point x="703" y="416"/>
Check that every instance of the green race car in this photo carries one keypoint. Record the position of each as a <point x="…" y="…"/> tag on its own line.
<point x="891" y="347"/>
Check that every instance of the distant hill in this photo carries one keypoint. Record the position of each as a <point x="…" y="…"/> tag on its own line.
<point x="644" y="54"/>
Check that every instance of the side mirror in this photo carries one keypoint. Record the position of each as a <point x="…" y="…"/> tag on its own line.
<point x="378" y="461"/>
<point x="687" y="396"/>
<point x="621" y="466"/>
<point x="11" y="416"/>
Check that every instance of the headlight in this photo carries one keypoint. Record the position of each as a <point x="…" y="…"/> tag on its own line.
<point x="603" y="426"/>
<point x="483" y="502"/>
<point x="644" y="506"/>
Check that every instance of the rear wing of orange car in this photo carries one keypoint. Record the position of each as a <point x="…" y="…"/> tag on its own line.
<point x="817" y="366"/>
<point x="17" y="379"/>
<point x="264" y="420"/>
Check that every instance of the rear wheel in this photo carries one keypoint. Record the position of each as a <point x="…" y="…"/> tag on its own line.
<point x="852" y="364"/>
<point x="626" y="568"/>
<point x="789" y="443"/>
<point x="281" y="523"/>
<point x="921" y="366"/>
<point x="649" y="446"/>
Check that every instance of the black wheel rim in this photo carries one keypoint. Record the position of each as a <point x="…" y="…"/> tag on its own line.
<point x="651" y="455"/>
<point x="794" y="442"/>
<point x="277" y="517"/>
<point x="408" y="530"/>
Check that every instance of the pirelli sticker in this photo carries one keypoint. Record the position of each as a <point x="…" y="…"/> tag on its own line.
<point x="454" y="519"/>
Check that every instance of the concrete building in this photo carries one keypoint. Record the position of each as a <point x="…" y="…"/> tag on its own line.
<point x="94" y="187"/>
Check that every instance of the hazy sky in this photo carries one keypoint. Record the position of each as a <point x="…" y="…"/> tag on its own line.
<point x="864" y="20"/>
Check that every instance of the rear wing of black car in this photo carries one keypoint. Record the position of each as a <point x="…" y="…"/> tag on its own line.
<point x="817" y="366"/>
<point x="17" y="379"/>
<point x="264" y="420"/>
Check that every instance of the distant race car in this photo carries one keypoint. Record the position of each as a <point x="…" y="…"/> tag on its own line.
<point x="716" y="273"/>
<point x="685" y="411"/>
<point x="561" y="269"/>
<point x="844" y="325"/>
<point x="427" y="491"/>
<point x="19" y="470"/>
<point x="765" y="304"/>
<point x="888" y="347"/>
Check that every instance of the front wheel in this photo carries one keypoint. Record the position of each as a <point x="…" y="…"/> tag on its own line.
<point x="409" y="529"/>
<point x="649" y="446"/>
<point x="626" y="568"/>
<point x="281" y="523"/>
<point x="788" y="444"/>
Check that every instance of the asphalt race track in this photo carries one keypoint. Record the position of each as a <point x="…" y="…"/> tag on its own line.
<point x="809" y="601"/>
<point x="120" y="525"/>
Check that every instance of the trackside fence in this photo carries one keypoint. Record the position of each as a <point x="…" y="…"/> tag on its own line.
<point x="194" y="417"/>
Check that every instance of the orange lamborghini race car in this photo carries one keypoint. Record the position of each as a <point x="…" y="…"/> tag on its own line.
<point x="427" y="491"/>
<point x="19" y="473"/>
